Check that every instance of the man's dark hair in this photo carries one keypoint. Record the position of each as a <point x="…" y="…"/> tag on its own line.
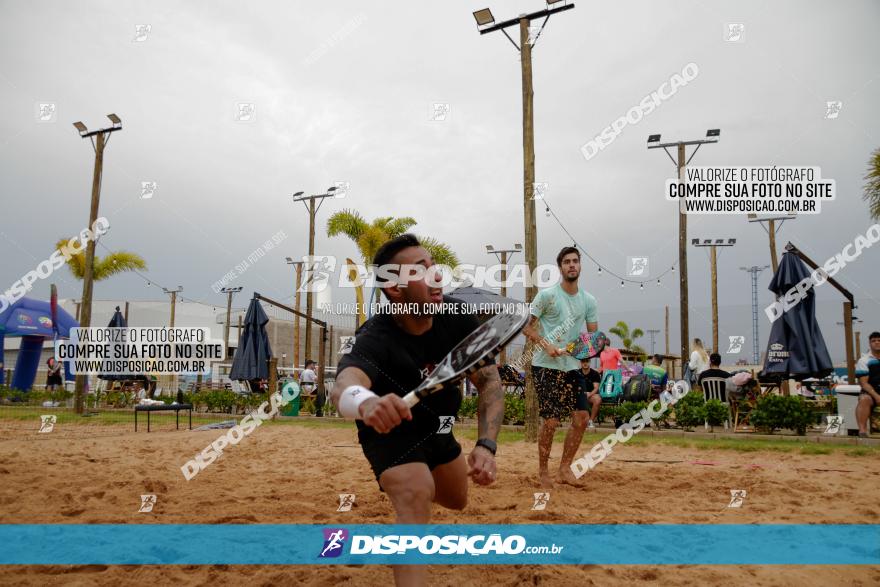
<point x="309" y="362"/>
<point x="659" y="359"/>
<point x="874" y="334"/>
<point x="715" y="359"/>
<point x="388" y="250"/>
<point x="565" y="251"/>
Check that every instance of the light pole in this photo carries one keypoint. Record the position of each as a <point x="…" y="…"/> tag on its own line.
<point x="486" y="24"/>
<point x="771" y="229"/>
<point x="99" y="139"/>
<point x="653" y="332"/>
<point x="228" y="291"/>
<point x="298" y="266"/>
<point x="173" y="293"/>
<point x="713" y="261"/>
<point x="501" y="254"/>
<point x="312" y="209"/>
<point x="712" y="136"/>
<point x="754" y="270"/>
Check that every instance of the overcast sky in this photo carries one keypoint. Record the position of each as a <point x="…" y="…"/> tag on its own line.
<point x="343" y="91"/>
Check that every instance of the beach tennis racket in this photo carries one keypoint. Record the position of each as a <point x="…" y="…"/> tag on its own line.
<point x="587" y="345"/>
<point x="471" y="354"/>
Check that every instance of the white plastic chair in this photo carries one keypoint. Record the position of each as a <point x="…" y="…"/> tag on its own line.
<point x="716" y="388"/>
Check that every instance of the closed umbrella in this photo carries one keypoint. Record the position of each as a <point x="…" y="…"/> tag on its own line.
<point x="251" y="360"/>
<point x="796" y="349"/>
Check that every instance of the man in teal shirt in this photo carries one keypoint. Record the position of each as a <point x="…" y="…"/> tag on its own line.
<point x="559" y="313"/>
<point x="656" y="373"/>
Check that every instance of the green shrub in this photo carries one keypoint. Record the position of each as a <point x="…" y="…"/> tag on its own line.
<point x="606" y="412"/>
<point x="627" y="410"/>
<point x="690" y="410"/>
<point x="514" y="409"/>
<point x="716" y="412"/>
<point x="468" y="407"/>
<point x="220" y="400"/>
<point x="774" y="412"/>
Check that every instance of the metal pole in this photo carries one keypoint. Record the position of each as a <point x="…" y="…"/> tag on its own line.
<point x="531" y="244"/>
<point x="226" y="328"/>
<point x="85" y="320"/>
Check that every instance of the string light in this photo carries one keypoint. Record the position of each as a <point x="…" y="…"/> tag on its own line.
<point x="642" y="286"/>
<point x="621" y="284"/>
<point x="658" y="282"/>
<point x="672" y="268"/>
<point x="548" y="211"/>
<point x="600" y="272"/>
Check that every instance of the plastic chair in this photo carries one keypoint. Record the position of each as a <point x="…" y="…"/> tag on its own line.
<point x="716" y="388"/>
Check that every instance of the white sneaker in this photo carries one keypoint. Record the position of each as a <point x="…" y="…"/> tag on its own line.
<point x="590" y="425"/>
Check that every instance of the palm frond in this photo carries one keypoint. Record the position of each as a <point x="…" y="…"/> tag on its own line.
<point x="347" y="222"/>
<point x="441" y="252"/>
<point x="637" y="333"/>
<point x="77" y="262"/>
<point x="872" y="187"/>
<point x="117" y="262"/>
<point x="399" y="226"/>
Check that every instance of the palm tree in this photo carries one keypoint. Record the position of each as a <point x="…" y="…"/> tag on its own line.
<point x="872" y="188"/>
<point x="103" y="267"/>
<point x="369" y="236"/>
<point x="627" y="337"/>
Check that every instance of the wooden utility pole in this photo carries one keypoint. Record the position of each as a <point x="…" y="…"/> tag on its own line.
<point x="713" y="245"/>
<point x="297" y="265"/>
<point x="858" y="344"/>
<point x="229" y="291"/>
<point x="531" y="230"/>
<point x="85" y="314"/>
<point x="774" y="260"/>
<point x="126" y="313"/>
<point x="682" y="263"/>
<point x="486" y="24"/>
<point x="312" y="208"/>
<point x="848" y="330"/>
<point x="501" y="254"/>
<point x="666" y="331"/>
<point x="309" y="294"/>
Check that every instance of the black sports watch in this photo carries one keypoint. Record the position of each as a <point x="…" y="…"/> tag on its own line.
<point x="489" y="445"/>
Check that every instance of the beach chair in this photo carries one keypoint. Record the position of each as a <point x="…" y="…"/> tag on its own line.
<point x="716" y="388"/>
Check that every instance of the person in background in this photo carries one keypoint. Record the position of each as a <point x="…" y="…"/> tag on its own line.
<point x="699" y="360"/>
<point x="868" y="376"/>
<point x="714" y="369"/>
<point x="590" y="396"/>
<point x="656" y="373"/>
<point x="53" y="378"/>
<point x="309" y="387"/>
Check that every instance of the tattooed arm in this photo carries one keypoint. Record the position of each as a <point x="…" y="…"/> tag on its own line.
<point x="481" y="461"/>
<point x="491" y="402"/>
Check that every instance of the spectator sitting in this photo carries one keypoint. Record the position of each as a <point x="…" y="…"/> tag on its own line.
<point x="714" y="369"/>
<point x="868" y="376"/>
<point x="656" y="373"/>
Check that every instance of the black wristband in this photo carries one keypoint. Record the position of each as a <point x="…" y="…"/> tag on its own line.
<point x="489" y="445"/>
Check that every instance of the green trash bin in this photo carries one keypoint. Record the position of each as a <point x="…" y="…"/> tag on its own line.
<point x="292" y="408"/>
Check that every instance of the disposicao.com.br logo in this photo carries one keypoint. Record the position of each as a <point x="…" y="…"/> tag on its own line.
<point x="452" y="544"/>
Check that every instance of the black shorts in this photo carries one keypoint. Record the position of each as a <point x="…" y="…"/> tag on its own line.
<point x="396" y="448"/>
<point x="559" y="392"/>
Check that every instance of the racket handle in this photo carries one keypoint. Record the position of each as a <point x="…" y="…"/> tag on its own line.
<point x="411" y="399"/>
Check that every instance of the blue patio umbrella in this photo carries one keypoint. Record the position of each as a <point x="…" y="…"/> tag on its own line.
<point x="796" y="349"/>
<point x="251" y="359"/>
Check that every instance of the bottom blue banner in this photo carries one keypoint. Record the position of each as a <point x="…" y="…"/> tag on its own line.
<point x="280" y="544"/>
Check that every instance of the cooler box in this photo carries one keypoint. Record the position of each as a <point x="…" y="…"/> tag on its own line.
<point x="847" y="400"/>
